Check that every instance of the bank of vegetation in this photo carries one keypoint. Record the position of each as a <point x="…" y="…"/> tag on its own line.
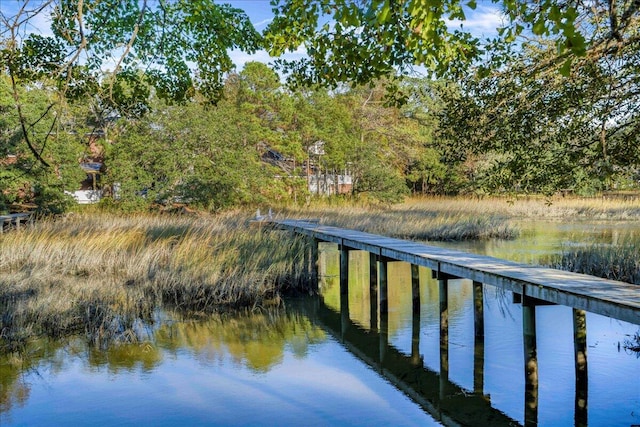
<point x="102" y="274"/>
<point x="174" y="124"/>
<point x="264" y="143"/>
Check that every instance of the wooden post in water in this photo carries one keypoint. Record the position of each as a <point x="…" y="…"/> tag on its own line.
<point x="444" y="335"/>
<point x="373" y="291"/>
<point x="415" y="287"/>
<point x="478" y="310"/>
<point x="313" y="253"/>
<point x="530" y="362"/>
<point x="478" y="341"/>
<point x="311" y="261"/>
<point x="416" y="360"/>
<point x="344" y="269"/>
<point x="384" y="336"/>
<point x="383" y="280"/>
<point x="344" y="288"/>
<point x="580" y="349"/>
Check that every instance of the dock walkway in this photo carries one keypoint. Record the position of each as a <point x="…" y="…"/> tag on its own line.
<point x="15" y="220"/>
<point x="610" y="298"/>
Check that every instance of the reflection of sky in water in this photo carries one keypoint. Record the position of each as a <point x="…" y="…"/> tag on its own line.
<point x="614" y="375"/>
<point x="327" y="387"/>
<point x="540" y="238"/>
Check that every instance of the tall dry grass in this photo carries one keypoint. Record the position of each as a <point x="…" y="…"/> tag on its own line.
<point x="412" y="220"/>
<point x="463" y="218"/>
<point x="100" y="274"/>
<point x="617" y="262"/>
<point x="534" y="207"/>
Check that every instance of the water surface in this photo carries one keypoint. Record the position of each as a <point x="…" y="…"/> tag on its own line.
<point x="321" y="362"/>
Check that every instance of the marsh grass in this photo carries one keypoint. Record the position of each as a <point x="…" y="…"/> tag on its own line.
<point x="414" y="221"/>
<point x="101" y="274"/>
<point x="104" y="274"/>
<point x="617" y="262"/>
<point x="535" y="207"/>
<point x="463" y="218"/>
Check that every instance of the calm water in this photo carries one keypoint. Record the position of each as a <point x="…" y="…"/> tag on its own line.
<point x="315" y="364"/>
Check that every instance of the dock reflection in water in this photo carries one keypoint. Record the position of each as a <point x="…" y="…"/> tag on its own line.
<point x="427" y="335"/>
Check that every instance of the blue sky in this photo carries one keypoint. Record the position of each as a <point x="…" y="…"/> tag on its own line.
<point x="481" y="22"/>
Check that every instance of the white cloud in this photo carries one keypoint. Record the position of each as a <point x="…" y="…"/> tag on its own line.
<point x="481" y="22"/>
<point x="262" y="23"/>
<point x="240" y="58"/>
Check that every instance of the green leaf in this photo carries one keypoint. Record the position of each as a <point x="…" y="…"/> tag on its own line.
<point x="384" y="13"/>
<point x="565" y="70"/>
<point x="539" y="27"/>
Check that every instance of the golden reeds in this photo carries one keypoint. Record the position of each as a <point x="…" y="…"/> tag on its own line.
<point x="101" y="273"/>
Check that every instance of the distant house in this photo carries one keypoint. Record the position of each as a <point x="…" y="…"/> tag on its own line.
<point x="89" y="191"/>
<point x="319" y="181"/>
<point x="328" y="184"/>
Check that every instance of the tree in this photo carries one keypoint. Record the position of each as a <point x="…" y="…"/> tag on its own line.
<point x="179" y="51"/>
<point x="546" y="131"/>
<point x="359" y="41"/>
<point x="143" y="43"/>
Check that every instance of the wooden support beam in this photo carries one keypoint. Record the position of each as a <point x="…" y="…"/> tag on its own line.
<point x="383" y="292"/>
<point x="478" y="309"/>
<point x="344" y="269"/>
<point x="580" y="355"/>
<point x="530" y="363"/>
<point x="444" y="336"/>
<point x="478" y="340"/>
<point x="373" y="291"/>
<point x="415" y="287"/>
<point x="517" y="299"/>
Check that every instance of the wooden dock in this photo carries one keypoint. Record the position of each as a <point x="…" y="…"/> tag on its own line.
<point x="15" y="220"/>
<point x="610" y="298"/>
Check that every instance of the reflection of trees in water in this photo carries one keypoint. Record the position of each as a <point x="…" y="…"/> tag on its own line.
<point x="257" y="340"/>
<point x="14" y="390"/>
<point x="398" y="289"/>
<point x="632" y="344"/>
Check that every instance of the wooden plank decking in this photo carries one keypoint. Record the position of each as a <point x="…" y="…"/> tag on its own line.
<point x="15" y="219"/>
<point x="610" y="298"/>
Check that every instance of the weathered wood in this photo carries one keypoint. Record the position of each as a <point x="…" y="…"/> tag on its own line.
<point x="530" y="363"/>
<point x="582" y="382"/>
<point x="478" y="339"/>
<point x="415" y="287"/>
<point x="443" y="292"/>
<point x="373" y="292"/>
<point x="610" y="298"/>
<point x="15" y="220"/>
<point x="383" y="292"/>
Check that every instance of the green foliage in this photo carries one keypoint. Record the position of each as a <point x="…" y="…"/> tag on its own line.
<point x="542" y="132"/>
<point x="51" y="199"/>
<point x="22" y="178"/>
<point x="214" y="160"/>
<point x="359" y="43"/>
<point x="426" y="171"/>
<point x="378" y="183"/>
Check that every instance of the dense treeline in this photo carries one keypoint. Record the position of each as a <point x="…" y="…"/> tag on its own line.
<point x="549" y="104"/>
<point x="216" y="156"/>
<point x="474" y="136"/>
